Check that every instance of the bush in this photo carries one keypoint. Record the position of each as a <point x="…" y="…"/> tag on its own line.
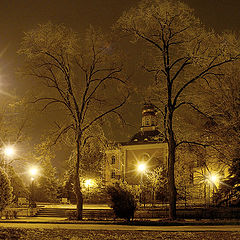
<point x="123" y="200"/>
<point x="229" y="191"/>
<point x="5" y="190"/>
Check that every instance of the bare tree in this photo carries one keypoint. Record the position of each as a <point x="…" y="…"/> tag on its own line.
<point x="83" y="79"/>
<point x="223" y="106"/>
<point x="156" y="180"/>
<point x="183" y="54"/>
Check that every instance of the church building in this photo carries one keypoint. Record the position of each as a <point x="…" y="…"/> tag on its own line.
<point x="144" y="151"/>
<point x="131" y="161"/>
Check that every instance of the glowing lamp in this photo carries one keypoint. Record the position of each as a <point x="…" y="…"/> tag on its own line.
<point x="141" y="167"/>
<point x="214" y="178"/>
<point x="33" y="171"/>
<point x="89" y="182"/>
<point x="9" y="151"/>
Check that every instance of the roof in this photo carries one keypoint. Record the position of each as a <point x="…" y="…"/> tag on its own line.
<point x="147" y="136"/>
<point x="148" y="106"/>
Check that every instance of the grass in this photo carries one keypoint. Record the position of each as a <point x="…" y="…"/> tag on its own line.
<point x="66" y="234"/>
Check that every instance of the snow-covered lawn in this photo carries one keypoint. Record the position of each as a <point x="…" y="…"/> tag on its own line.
<point x="67" y="234"/>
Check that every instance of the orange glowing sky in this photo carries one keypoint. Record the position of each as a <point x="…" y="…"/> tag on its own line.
<point x="17" y="16"/>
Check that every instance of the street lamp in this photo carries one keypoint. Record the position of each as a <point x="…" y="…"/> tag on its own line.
<point x="141" y="168"/>
<point x="213" y="180"/>
<point x="9" y="151"/>
<point x="33" y="171"/>
<point x="89" y="183"/>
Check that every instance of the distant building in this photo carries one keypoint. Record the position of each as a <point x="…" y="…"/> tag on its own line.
<point x="147" y="147"/>
<point x="194" y="180"/>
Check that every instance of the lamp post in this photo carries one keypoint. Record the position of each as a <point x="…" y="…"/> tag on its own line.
<point x="89" y="183"/>
<point x="8" y="152"/>
<point x="141" y="168"/>
<point x="33" y="173"/>
<point x="212" y="179"/>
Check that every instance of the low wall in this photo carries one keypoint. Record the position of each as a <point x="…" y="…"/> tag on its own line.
<point x="210" y="213"/>
<point x="198" y="213"/>
<point x="10" y="213"/>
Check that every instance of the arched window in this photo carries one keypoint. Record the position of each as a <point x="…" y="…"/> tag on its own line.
<point x="147" y="121"/>
<point x="113" y="175"/>
<point x="113" y="159"/>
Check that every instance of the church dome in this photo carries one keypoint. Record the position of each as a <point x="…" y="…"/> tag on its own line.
<point x="148" y="131"/>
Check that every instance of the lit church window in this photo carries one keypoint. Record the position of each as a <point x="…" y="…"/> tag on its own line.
<point x="113" y="159"/>
<point x="113" y="175"/>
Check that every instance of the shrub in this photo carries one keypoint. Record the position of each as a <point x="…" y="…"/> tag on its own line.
<point x="5" y="190"/>
<point x="229" y="191"/>
<point x="123" y="200"/>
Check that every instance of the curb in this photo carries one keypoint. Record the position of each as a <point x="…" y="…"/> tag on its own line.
<point x="135" y="223"/>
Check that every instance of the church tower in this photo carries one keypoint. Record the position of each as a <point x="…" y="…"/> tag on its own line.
<point x="149" y="118"/>
<point x="149" y="131"/>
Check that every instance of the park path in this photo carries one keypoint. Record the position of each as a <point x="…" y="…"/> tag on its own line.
<point x="85" y="226"/>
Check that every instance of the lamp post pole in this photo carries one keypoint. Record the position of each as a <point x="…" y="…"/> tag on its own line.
<point x="89" y="183"/>
<point x="141" y="168"/>
<point x="33" y="173"/>
<point x="32" y="190"/>
<point x="211" y="180"/>
<point x="8" y="153"/>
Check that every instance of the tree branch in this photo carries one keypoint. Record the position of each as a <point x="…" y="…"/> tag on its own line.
<point x="105" y="113"/>
<point x="200" y="75"/>
<point x="192" y="143"/>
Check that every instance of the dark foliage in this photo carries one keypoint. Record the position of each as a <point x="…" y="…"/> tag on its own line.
<point x="5" y="190"/>
<point x="229" y="192"/>
<point x="18" y="187"/>
<point x="123" y="201"/>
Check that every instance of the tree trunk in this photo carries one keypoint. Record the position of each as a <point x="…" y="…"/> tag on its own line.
<point x="79" y="198"/>
<point x="171" y="180"/>
<point x="171" y="164"/>
<point x="77" y="186"/>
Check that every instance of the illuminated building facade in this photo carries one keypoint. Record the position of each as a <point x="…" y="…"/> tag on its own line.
<point x="145" y="147"/>
<point x="149" y="148"/>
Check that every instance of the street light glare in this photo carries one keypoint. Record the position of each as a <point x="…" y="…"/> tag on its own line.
<point x="214" y="178"/>
<point x="33" y="171"/>
<point x="89" y="183"/>
<point x="9" y="151"/>
<point x="142" y="167"/>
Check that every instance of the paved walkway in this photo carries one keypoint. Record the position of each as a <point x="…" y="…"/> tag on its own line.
<point x="72" y="206"/>
<point x="222" y="228"/>
<point x="35" y="219"/>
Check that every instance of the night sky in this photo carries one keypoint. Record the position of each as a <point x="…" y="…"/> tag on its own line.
<point x="17" y="16"/>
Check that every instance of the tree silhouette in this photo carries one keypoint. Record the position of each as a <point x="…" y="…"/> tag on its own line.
<point x="182" y="55"/>
<point x="83" y="80"/>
